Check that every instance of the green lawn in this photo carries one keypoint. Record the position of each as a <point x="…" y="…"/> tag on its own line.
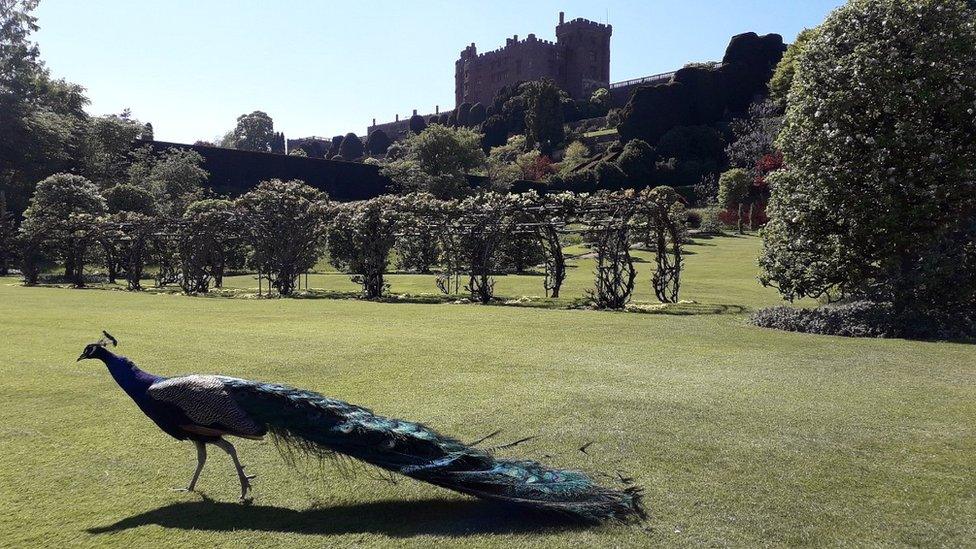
<point x="740" y="436"/>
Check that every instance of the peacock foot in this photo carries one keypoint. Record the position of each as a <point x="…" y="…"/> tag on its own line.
<point x="246" y="497"/>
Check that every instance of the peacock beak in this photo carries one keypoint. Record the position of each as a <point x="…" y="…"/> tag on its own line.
<point x="82" y="357"/>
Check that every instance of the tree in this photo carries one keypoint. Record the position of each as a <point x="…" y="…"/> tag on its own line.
<point x="278" y="143"/>
<point x="351" y="147"/>
<point x="174" y="177"/>
<point x="43" y="119"/>
<point x="519" y="251"/>
<point x="361" y="236"/>
<point x="285" y="227"/>
<point x="754" y="137"/>
<point x="378" y="143"/>
<point x="437" y="161"/>
<point x="131" y="234"/>
<point x="495" y="130"/>
<point x="417" y="123"/>
<point x="254" y="132"/>
<point x="637" y="162"/>
<point x="107" y="152"/>
<point x="334" y="147"/>
<point x="536" y="166"/>
<point x="227" y="140"/>
<point x="477" y="115"/>
<point x="207" y="236"/>
<point x="599" y="103"/>
<point x="782" y="80"/>
<point x="881" y="205"/>
<point x="696" y="150"/>
<point x="733" y="191"/>
<point x="8" y="231"/>
<point x="417" y="244"/>
<point x="502" y="166"/>
<point x="129" y="198"/>
<point x="543" y="115"/>
<point x="576" y="154"/>
<point x="62" y="215"/>
<point x="462" y="112"/>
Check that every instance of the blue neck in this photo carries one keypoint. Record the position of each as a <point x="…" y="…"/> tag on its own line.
<point x="130" y="378"/>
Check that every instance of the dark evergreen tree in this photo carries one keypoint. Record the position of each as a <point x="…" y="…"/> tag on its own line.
<point x="495" y="132"/>
<point x="378" y="142"/>
<point x="417" y="123"/>
<point x="477" y="114"/>
<point x="463" y="110"/>
<point x="351" y="147"/>
<point x="334" y="147"/>
<point x="278" y="143"/>
<point x="543" y="115"/>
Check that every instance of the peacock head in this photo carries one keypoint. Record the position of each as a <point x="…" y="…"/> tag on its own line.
<point x="97" y="349"/>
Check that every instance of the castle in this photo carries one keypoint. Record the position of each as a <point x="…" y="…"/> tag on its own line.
<point x="578" y="61"/>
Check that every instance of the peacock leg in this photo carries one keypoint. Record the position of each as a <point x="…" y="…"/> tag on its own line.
<point x="201" y="459"/>
<point x="244" y="478"/>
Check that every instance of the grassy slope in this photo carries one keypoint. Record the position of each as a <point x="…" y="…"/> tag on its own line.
<point x="740" y="436"/>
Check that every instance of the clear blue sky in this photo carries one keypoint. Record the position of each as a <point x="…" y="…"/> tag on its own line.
<point x="328" y="67"/>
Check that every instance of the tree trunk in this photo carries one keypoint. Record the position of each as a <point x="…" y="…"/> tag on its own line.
<point x="740" y="219"/>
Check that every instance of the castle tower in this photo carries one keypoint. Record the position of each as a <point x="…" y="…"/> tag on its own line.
<point x="462" y="77"/>
<point x="585" y="49"/>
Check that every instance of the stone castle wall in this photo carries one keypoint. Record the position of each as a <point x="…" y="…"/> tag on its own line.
<point x="578" y="61"/>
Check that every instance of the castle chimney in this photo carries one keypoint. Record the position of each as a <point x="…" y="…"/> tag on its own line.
<point x="374" y="121"/>
<point x="437" y="109"/>
<point x="415" y="112"/>
<point x="515" y="38"/>
<point x="562" y="17"/>
<point x="397" y="118"/>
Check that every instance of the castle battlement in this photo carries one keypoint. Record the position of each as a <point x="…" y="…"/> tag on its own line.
<point x="580" y="23"/>
<point x="511" y="44"/>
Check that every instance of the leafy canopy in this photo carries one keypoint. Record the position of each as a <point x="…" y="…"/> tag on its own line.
<point x="877" y="198"/>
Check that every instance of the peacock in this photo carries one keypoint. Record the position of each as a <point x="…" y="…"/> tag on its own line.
<point x="205" y="409"/>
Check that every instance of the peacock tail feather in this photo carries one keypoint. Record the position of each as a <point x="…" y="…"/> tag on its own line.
<point x="309" y="423"/>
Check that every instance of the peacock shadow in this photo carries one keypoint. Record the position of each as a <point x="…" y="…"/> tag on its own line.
<point x="399" y="519"/>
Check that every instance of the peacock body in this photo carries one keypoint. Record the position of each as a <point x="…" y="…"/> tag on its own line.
<point x="207" y="408"/>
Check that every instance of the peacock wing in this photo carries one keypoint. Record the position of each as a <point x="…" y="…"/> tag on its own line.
<point x="211" y="410"/>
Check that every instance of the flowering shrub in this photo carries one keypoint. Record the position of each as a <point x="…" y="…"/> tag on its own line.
<point x="755" y="216"/>
<point x="877" y="199"/>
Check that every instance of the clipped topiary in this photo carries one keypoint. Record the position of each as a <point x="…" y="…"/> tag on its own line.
<point x="352" y="147"/>
<point x="378" y="143"/>
<point x="417" y="123"/>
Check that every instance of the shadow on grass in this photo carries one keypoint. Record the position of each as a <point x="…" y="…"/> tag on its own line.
<point x="390" y="518"/>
